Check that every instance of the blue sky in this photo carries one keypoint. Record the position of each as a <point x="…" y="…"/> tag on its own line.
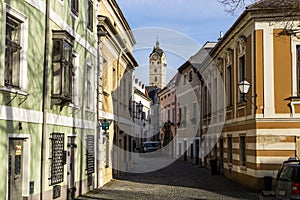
<point x="194" y="22"/>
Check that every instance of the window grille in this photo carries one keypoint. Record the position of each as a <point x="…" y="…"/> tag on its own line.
<point x="57" y="158"/>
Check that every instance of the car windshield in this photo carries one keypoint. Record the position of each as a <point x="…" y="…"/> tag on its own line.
<point x="290" y="173"/>
<point x="151" y="144"/>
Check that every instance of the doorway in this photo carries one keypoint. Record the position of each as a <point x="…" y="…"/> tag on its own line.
<point x="15" y="168"/>
<point x="221" y="156"/>
<point x="71" y="187"/>
<point x="197" y="152"/>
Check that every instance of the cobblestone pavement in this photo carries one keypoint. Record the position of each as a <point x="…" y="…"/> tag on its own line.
<point x="180" y="180"/>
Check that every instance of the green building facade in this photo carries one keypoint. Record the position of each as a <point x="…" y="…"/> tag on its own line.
<point x="47" y="133"/>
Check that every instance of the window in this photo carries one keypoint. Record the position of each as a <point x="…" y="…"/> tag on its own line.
<point x="12" y="52"/>
<point x="209" y="99"/>
<point x="229" y="147"/>
<point x="229" y="85"/>
<point x="155" y="70"/>
<point x="194" y="118"/>
<point x="90" y="154"/>
<point x="90" y="15"/>
<point x="298" y="69"/>
<point x="57" y="158"/>
<point x="179" y="115"/>
<point x="173" y="115"/>
<point x="242" y="74"/>
<point x="205" y="100"/>
<point x="62" y="67"/>
<point x="124" y="90"/>
<point x="155" y="79"/>
<point x="190" y="75"/>
<point x="243" y="150"/>
<point x="74" y="7"/>
<point x="89" y="87"/>
<point x="75" y="79"/>
<point x="184" y="79"/>
<point x="114" y="78"/>
<point x="184" y="116"/>
<point x="169" y="114"/>
<point x="214" y="97"/>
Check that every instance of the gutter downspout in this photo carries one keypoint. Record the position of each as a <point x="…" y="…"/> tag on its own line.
<point x="45" y="100"/>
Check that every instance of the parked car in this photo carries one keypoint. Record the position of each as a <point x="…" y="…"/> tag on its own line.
<point x="288" y="180"/>
<point x="150" y="146"/>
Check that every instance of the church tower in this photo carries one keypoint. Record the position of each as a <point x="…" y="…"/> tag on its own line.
<point x="157" y="67"/>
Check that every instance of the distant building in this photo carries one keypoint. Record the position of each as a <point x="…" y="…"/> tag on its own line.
<point x="189" y="106"/>
<point x="168" y="117"/>
<point x="157" y="67"/>
<point x="140" y="113"/>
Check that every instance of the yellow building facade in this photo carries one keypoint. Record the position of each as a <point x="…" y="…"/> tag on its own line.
<point x="115" y="83"/>
<point x="261" y="128"/>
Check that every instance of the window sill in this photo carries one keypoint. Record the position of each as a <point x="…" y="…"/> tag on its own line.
<point x="294" y="98"/>
<point x="74" y="106"/>
<point x="13" y="90"/>
<point x="89" y="110"/>
<point x="74" y="14"/>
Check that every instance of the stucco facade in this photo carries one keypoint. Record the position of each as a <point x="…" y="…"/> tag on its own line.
<point x="47" y="140"/>
<point x="261" y="129"/>
<point x="117" y="65"/>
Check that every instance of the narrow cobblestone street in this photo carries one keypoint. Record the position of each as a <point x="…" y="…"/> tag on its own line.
<point x="180" y="180"/>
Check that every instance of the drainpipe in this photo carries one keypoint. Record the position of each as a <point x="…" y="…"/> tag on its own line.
<point x="45" y="101"/>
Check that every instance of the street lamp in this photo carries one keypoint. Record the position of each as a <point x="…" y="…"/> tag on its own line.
<point x="244" y="88"/>
<point x="139" y="108"/>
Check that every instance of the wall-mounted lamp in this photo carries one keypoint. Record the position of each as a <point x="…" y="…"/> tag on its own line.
<point x="244" y="88"/>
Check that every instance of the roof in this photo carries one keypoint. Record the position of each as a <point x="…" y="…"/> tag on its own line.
<point x="157" y="49"/>
<point x="269" y="6"/>
<point x="274" y="4"/>
<point x="198" y="57"/>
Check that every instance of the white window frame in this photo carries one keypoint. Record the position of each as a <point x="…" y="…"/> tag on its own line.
<point x="75" y="82"/>
<point x="90" y="99"/>
<point x="23" y="53"/>
<point x="243" y="150"/>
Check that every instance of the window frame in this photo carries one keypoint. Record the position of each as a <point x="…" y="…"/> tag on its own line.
<point x="298" y="69"/>
<point x="75" y="7"/>
<point x="89" y="87"/>
<point x="64" y="63"/>
<point x="242" y="75"/>
<point x="22" y="75"/>
<point x="229" y="149"/>
<point x="243" y="155"/>
<point x="90" y="13"/>
<point x="229" y="90"/>
<point x="190" y="75"/>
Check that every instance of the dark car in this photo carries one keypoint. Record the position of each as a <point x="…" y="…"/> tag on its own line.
<point x="288" y="180"/>
<point x="150" y="146"/>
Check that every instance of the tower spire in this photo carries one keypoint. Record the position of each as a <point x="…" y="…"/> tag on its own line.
<point x="157" y="42"/>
